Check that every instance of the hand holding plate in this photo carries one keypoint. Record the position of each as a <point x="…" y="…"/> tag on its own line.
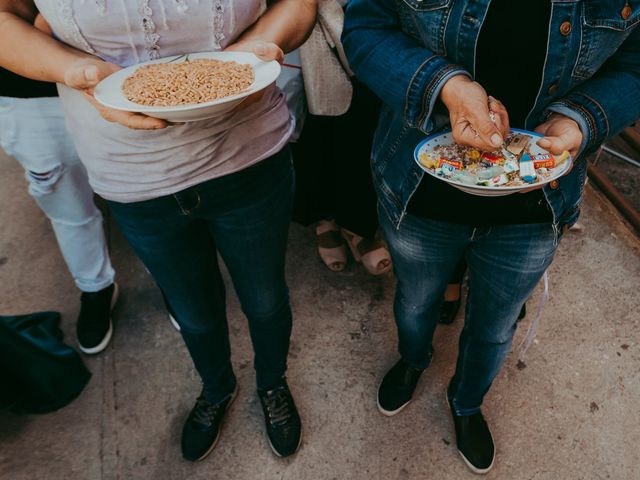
<point x="265" y="51"/>
<point x="561" y="133"/>
<point x="86" y="73"/>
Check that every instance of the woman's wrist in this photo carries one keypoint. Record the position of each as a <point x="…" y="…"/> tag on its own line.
<point x="450" y="91"/>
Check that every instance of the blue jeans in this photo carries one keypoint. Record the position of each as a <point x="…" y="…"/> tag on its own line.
<point x="505" y="264"/>
<point x="245" y="217"/>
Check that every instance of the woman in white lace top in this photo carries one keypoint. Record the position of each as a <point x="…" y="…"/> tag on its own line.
<point x="183" y="193"/>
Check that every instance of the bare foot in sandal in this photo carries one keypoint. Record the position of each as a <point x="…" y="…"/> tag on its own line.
<point x="372" y="253"/>
<point x="331" y="246"/>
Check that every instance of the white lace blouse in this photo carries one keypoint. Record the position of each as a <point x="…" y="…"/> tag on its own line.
<point x="130" y="165"/>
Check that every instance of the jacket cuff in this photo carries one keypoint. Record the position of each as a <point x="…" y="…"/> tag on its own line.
<point x="589" y="116"/>
<point x="424" y="91"/>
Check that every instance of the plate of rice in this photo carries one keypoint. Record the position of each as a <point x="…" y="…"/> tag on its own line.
<point x="518" y="165"/>
<point x="185" y="88"/>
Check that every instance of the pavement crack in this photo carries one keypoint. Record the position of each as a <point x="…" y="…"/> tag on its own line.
<point x="109" y="442"/>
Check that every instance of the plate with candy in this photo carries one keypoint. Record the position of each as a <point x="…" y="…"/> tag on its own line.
<point x="519" y="164"/>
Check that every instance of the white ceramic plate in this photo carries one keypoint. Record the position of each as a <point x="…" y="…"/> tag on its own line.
<point x="109" y="91"/>
<point x="445" y="138"/>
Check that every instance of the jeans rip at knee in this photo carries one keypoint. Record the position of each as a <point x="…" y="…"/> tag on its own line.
<point x="43" y="183"/>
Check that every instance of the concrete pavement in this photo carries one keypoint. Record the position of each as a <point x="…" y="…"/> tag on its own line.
<point x="571" y="413"/>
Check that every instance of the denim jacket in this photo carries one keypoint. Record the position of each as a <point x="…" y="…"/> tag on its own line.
<point x="405" y="50"/>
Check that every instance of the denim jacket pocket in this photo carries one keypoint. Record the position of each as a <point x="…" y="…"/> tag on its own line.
<point x="603" y="29"/>
<point x="425" y="22"/>
<point x="611" y="14"/>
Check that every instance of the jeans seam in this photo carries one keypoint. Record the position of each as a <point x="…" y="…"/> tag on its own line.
<point x="177" y="199"/>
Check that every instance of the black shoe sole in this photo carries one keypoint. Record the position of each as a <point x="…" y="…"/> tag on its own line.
<point x="215" y="441"/>
<point x="104" y="343"/>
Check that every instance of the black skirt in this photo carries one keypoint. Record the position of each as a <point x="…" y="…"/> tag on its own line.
<point x="332" y="165"/>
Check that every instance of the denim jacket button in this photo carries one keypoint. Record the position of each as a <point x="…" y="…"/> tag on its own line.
<point x="626" y="12"/>
<point x="565" y="28"/>
<point x="554" y="184"/>
<point x="553" y="89"/>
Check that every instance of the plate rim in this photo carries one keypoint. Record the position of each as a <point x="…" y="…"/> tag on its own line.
<point x="483" y="188"/>
<point x="137" y="108"/>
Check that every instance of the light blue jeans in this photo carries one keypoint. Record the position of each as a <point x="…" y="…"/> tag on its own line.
<point x="33" y="132"/>
<point x="505" y="264"/>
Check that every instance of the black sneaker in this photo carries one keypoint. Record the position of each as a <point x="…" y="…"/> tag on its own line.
<point x="449" y="311"/>
<point x="523" y="312"/>
<point x="474" y="441"/>
<point x="397" y="387"/>
<point x="201" y="431"/>
<point x="284" y="429"/>
<point x="94" y="326"/>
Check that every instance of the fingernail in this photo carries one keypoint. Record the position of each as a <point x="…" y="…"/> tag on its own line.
<point x="496" y="140"/>
<point x="544" y="143"/>
<point x="261" y="49"/>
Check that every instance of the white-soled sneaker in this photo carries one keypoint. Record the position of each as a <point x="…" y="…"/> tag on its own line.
<point x="94" y="327"/>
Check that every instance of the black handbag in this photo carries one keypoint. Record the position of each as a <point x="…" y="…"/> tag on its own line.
<point x="39" y="373"/>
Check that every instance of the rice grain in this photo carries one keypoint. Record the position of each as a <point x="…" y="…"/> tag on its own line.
<point x="189" y="82"/>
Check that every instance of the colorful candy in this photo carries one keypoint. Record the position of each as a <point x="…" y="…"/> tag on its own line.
<point x="527" y="169"/>
<point x="512" y="165"/>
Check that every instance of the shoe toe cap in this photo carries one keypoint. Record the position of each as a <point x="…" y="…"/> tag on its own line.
<point x="285" y="439"/>
<point x="392" y="400"/>
<point x="196" y="443"/>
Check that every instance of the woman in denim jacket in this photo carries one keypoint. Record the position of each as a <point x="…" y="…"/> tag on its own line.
<point x="578" y="63"/>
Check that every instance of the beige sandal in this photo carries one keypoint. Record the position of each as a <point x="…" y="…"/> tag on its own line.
<point x="331" y="246"/>
<point x="372" y="253"/>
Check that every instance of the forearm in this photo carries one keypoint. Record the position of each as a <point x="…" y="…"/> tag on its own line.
<point x="608" y="102"/>
<point x="29" y="52"/>
<point x="287" y="23"/>
<point x="601" y="116"/>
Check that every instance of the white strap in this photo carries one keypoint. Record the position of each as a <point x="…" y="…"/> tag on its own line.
<point x="533" y="326"/>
